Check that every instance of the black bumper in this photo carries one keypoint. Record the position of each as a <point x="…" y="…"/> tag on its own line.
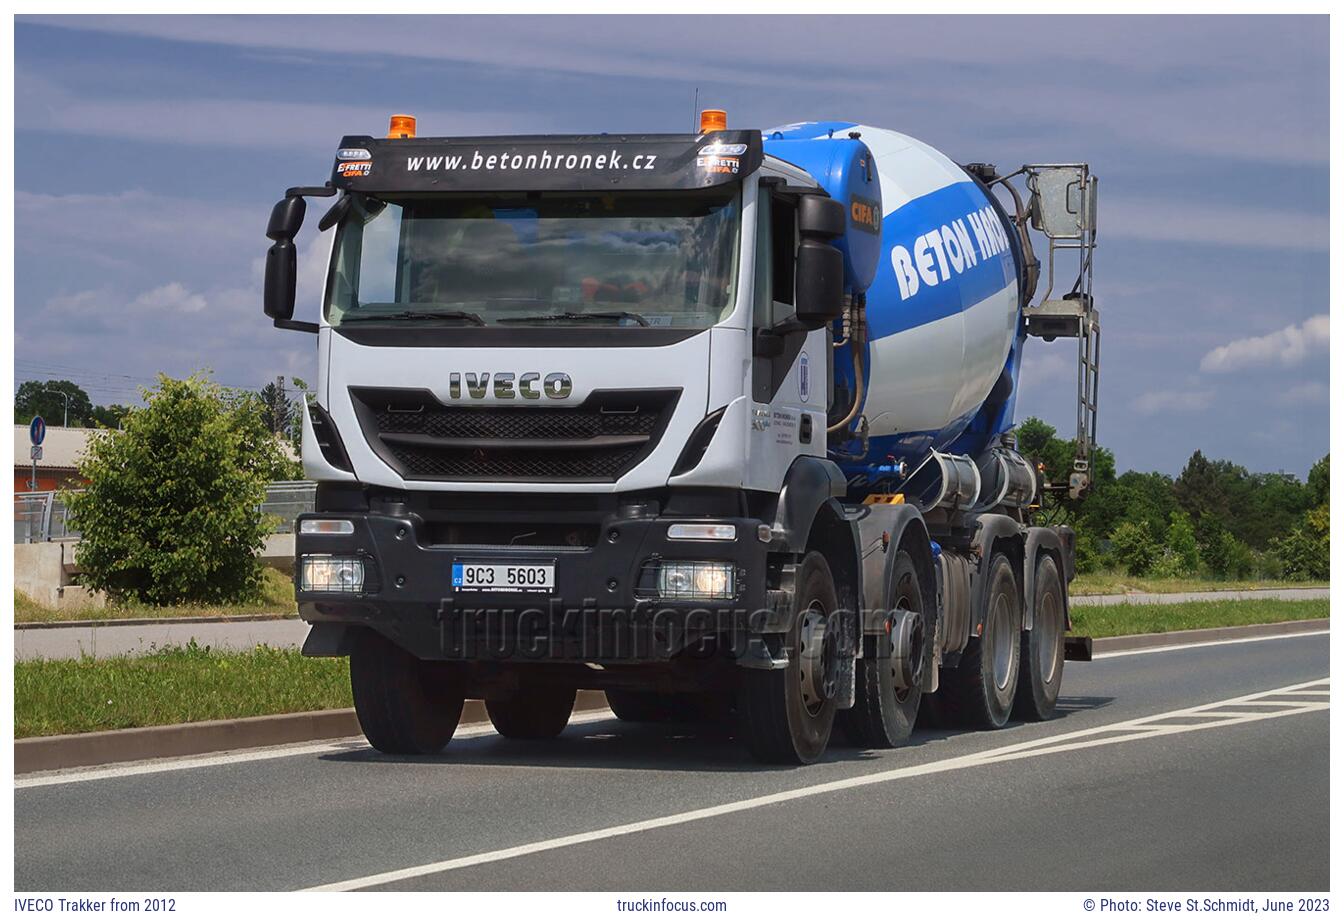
<point x="604" y="607"/>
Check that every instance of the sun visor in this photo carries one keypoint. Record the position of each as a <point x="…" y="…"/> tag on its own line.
<point x="595" y="162"/>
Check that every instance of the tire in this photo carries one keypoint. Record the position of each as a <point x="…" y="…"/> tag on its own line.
<point x="533" y="713"/>
<point x="404" y="705"/>
<point x="883" y="716"/>
<point x="785" y="715"/>
<point x="980" y="691"/>
<point x="1042" y="654"/>
<point x="647" y="706"/>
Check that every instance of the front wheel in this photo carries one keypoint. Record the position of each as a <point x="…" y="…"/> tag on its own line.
<point x="786" y="714"/>
<point x="404" y="705"/>
<point x="533" y="713"/>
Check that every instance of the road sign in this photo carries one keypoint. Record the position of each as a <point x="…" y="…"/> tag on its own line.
<point x="35" y="452"/>
<point x="37" y="430"/>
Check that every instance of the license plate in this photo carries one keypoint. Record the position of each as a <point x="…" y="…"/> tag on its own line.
<point x="511" y="577"/>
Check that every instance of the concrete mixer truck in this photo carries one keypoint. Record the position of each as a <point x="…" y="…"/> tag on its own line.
<point x="719" y="423"/>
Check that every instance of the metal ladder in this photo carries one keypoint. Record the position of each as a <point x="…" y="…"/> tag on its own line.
<point x="1063" y="207"/>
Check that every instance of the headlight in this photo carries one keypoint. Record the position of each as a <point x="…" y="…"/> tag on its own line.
<point x="336" y="574"/>
<point x="697" y="580"/>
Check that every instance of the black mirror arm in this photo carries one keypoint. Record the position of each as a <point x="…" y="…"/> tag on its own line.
<point x="311" y="191"/>
<point x="297" y="325"/>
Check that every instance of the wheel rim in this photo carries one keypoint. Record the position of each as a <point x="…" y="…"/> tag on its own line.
<point x="1001" y="640"/>
<point x="903" y="604"/>
<point x="1049" y="621"/>
<point x="812" y="658"/>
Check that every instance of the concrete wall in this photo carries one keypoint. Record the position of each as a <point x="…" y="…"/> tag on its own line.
<point x="44" y="572"/>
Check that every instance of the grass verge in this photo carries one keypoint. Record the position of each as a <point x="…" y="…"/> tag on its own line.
<point x="276" y="599"/>
<point x="1131" y="619"/>
<point x="193" y="684"/>
<point x="181" y="684"/>
<point x="1121" y="583"/>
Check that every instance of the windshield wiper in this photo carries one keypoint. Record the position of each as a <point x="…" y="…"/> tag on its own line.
<point x="570" y="315"/>
<point x="463" y="315"/>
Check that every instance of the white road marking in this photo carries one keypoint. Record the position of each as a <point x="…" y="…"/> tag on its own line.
<point x="1212" y="642"/>
<point x="1115" y="733"/>
<point x="89" y="774"/>
<point x="356" y="742"/>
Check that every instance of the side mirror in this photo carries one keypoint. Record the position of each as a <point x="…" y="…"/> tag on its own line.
<point x="282" y="263"/>
<point x="281" y="280"/>
<point x="819" y="288"/>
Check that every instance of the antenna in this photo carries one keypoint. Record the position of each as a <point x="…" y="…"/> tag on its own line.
<point x="695" y="111"/>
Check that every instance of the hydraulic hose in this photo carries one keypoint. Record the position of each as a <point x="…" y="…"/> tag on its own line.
<point x="857" y="336"/>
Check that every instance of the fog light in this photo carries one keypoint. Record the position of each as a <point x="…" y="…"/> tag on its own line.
<point x="697" y="580"/>
<point x="701" y="532"/>
<point x="333" y="574"/>
<point x="326" y="526"/>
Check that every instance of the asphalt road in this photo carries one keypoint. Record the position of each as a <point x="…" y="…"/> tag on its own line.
<point x="106" y="639"/>
<point x="1167" y="769"/>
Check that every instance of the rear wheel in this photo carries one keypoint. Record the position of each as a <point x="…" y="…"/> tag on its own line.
<point x="981" y="689"/>
<point x="404" y="705"/>
<point x="884" y="712"/>
<point x="786" y="714"/>
<point x="1042" y="652"/>
<point x="532" y="713"/>
<point x="647" y="706"/>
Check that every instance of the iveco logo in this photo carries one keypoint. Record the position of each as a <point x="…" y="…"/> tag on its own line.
<point x="508" y="385"/>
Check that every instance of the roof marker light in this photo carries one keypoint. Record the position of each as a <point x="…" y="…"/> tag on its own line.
<point x="713" y="120"/>
<point x="401" y="126"/>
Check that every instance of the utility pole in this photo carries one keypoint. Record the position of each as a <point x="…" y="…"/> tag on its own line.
<point x="280" y="416"/>
<point x="65" y="419"/>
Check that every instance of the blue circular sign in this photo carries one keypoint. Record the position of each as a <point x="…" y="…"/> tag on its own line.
<point x="37" y="430"/>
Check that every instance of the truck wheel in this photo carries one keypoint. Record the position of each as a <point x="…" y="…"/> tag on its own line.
<point x="1042" y="648"/>
<point x="883" y="716"/>
<point x="647" y="706"/>
<point x="405" y="705"/>
<point x="981" y="689"/>
<point x="637" y="706"/>
<point x="534" y="713"/>
<point x="786" y="714"/>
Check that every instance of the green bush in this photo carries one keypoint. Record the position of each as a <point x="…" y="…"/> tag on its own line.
<point x="1305" y="551"/>
<point x="170" y="514"/>
<point x="1134" y="547"/>
<point x="1182" y="551"/>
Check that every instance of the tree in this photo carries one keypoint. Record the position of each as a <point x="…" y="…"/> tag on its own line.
<point x="36" y="397"/>
<point x="1135" y="547"/>
<point x="284" y="415"/>
<point x="1181" y="553"/>
<point x="1318" y="482"/>
<point x="109" y="416"/>
<point x="171" y="512"/>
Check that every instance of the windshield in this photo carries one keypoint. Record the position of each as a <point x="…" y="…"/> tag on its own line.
<point x="538" y="259"/>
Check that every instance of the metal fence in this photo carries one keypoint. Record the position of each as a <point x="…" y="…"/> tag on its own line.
<point x="41" y="516"/>
<point x="287" y="500"/>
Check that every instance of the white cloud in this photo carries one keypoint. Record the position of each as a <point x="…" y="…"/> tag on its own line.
<point x="1158" y="401"/>
<point x="173" y="297"/>
<point x="233" y="123"/>
<point x="1172" y="220"/>
<point x="1304" y="394"/>
<point x="1287" y="347"/>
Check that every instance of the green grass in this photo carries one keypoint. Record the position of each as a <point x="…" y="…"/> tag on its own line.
<point x="276" y="599"/>
<point x="172" y="685"/>
<point x="1121" y="583"/>
<point x="1129" y="619"/>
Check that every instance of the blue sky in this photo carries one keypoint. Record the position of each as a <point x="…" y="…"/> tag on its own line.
<point x="149" y="151"/>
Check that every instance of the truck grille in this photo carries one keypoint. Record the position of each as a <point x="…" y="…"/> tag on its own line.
<point x="596" y="441"/>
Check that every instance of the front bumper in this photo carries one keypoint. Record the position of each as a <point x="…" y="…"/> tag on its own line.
<point x="603" y="609"/>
